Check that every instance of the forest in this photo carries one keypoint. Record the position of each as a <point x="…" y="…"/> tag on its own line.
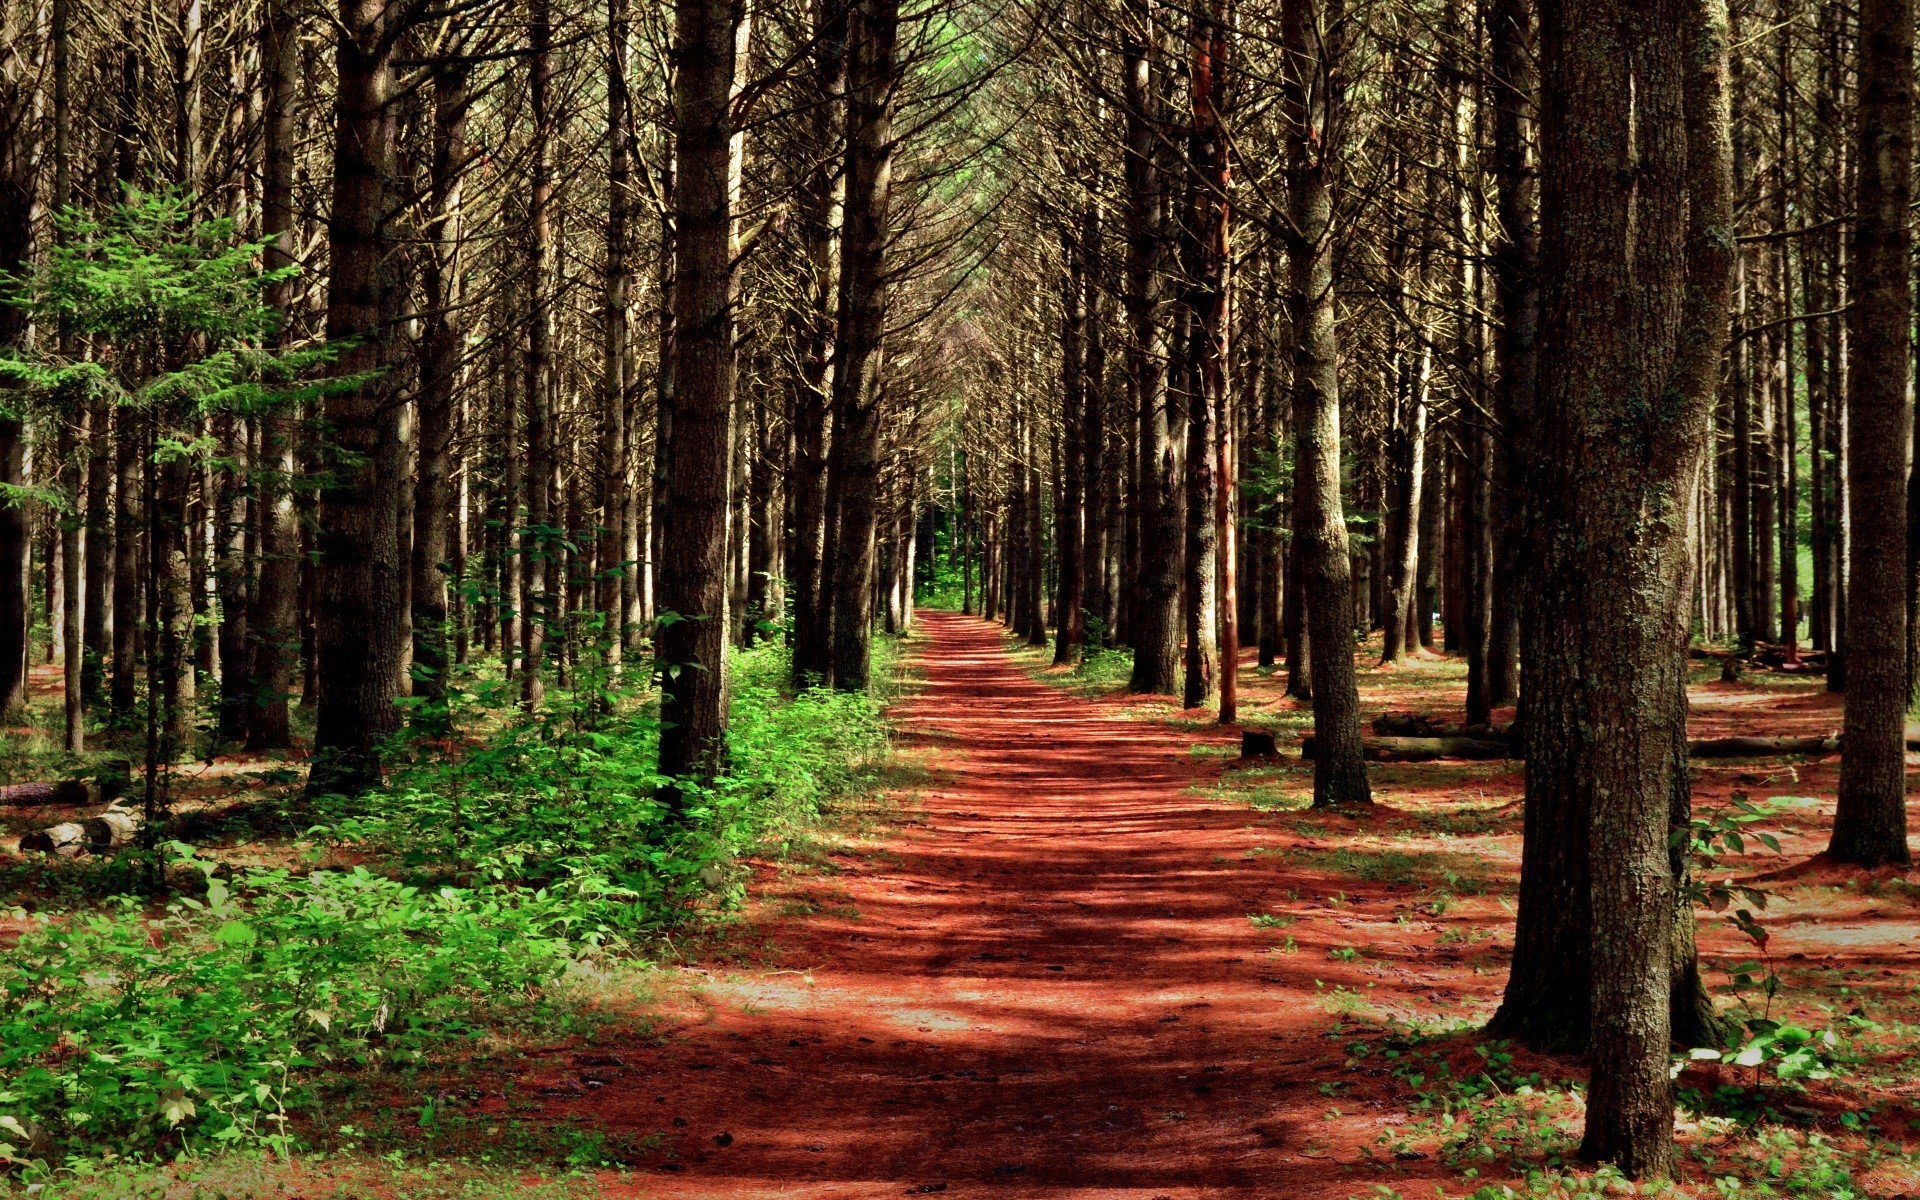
<point x="843" y="598"/>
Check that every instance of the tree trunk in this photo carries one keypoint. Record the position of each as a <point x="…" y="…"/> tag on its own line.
<point x="1069" y="520"/>
<point x="691" y="634"/>
<point x="1319" y="528"/>
<point x="1156" y="592"/>
<point x="613" y="497"/>
<point x="853" y="469"/>
<point x="1870" y="824"/>
<point x="276" y="627"/>
<point x="1097" y="596"/>
<point x="357" y="575"/>
<point x="1514" y="265"/>
<point x="537" y="545"/>
<point x="1615" y="477"/>
<point x="442" y="344"/>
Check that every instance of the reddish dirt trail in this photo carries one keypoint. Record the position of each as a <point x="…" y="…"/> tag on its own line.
<point x="1051" y="989"/>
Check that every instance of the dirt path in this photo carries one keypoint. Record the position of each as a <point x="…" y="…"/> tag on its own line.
<point x="1050" y="988"/>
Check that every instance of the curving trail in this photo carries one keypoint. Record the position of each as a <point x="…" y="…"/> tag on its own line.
<point x="1049" y="987"/>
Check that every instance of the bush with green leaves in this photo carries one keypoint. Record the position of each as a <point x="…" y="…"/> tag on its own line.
<point x="517" y="851"/>
<point x="124" y="1032"/>
<point x="569" y="795"/>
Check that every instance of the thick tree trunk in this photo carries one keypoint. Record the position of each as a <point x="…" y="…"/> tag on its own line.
<point x="853" y="469"/>
<point x="1610" y="503"/>
<point x="1870" y="824"/>
<point x="691" y="633"/>
<point x="357" y="585"/>
<point x="1319" y="528"/>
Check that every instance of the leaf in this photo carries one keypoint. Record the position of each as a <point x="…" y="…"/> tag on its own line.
<point x="176" y="1107"/>
<point x="236" y="933"/>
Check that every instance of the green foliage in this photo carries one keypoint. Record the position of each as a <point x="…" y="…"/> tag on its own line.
<point x="178" y="303"/>
<point x="569" y="795"/>
<point x="535" y="841"/>
<point x="121" y="1030"/>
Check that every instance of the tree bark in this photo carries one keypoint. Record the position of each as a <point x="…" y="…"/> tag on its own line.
<point x="853" y="467"/>
<point x="442" y="345"/>
<point x="691" y="630"/>
<point x="1320" y="529"/>
<point x="1070" y="519"/>
<point x="1613" y="509"/>
<point x="538" y="546"/>
<point x="1514" y="265"/>
<point x="1870" y="824"/>
<point x="357" y="575"/>
<point x="1156" y="588"/>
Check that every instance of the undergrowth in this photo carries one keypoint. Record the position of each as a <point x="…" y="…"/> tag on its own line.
<point x="506" y="851"/>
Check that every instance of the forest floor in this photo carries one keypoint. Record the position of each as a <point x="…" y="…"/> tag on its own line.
<point x="1096" y="955"/>
<point x="1102" y="959"/>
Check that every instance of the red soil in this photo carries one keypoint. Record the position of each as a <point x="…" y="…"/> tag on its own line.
<point x="1051" y="988"/>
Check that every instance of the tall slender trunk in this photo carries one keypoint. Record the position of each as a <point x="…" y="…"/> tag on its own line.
<point x="17" y="154"/>
<point x="613" y="498"/>
<point x="1096" y="522"/>
<point x="1312" y="71"/>
<point x="1152" y="619"/>
<point x="1870" y="824"/>
<point x="537" y="546"/>
<point x="357" y="573"/>
<point x="1514" y="263"/>
<point x="1070" y="519"/>
<point x="1204" y="366"/>
<point x="814" y="350"/>
<point x="691" y="632"/>
<point x="853" y="462"/>
<point x="442" y="343"/>
<point x="232" y="571"/>
<point x="1403" y="563"/>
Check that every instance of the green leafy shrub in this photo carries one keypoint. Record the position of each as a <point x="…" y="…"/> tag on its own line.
<point x="120" y="1031"/>
<point x="531" y="843"/>
<point x="569" y="795"/>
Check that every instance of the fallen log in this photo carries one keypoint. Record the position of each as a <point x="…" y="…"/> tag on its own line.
<point x="1433" y="749"/>
<point x="111" y="780"/>
<point x="96" y="835"/>
<point x="57" y="791"/>
<point x="1416" y="725"/>
<point x="1425" y="749"/>
<point x="1761" y="747"/>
